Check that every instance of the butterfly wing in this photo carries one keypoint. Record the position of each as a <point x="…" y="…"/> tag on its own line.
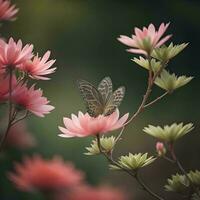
<point x="114" y="101"/>
<point x="105" y="88"/>
<point x="92" y="98"/>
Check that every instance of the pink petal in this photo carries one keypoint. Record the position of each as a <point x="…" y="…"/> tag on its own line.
<point x="161" y="42"/>
<point x="137" y="51"/>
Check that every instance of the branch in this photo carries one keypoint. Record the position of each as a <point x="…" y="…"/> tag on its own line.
<point x="155" y="100"/>
<point x="132" y="174"/>
<point x="146" y="188"/>
<point x="11" y="114"/>
<point x="181" y="168"/>
<point x="151" y="80"/>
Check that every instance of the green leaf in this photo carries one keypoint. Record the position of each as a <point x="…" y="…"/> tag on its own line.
<point x="169" y="133"/>
<point x="170" y="82"/>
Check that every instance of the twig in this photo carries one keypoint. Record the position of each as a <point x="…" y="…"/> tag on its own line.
<point x="181" y="168"/>
<point x="155" y="100"/>
<point x="146" y="188"/>
<point x="11" y="114"/>
<point x="151" y="80"/>
<point x="21" y="118"/>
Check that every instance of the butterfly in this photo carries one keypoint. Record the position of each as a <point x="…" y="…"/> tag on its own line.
<point x="101" y="100"/>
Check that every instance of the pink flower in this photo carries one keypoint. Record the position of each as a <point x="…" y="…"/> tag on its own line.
<point x="45" y="175"/>
<point x="18" y="137"/>
<point x="31" y="100"/>
<point x="12" y="53"/>
<point x="85" y="125"/>
<point x="100" y="193"/>
<point x="38" y="67"/>
<point x="144" y="41"/>
<point x="7" y="11"/>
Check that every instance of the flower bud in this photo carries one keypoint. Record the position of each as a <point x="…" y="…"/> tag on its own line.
<point x="107" y="144"/>
<point x="160" y="148"/>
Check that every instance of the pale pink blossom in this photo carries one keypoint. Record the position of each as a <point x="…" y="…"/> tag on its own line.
<point x="38" y="68"/>
<point x="12" y="53"/>
<point x="144" y="41"/>
<point x="7" y="11"/>
<point x="98" y="193"/>
<point x="19" y="137"/>
<point x="84" y="125"/>
<point x="31" y="99"/>
<point x="45" y="175"/>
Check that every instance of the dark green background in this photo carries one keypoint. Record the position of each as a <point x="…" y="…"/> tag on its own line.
<point x="82" y="37"/>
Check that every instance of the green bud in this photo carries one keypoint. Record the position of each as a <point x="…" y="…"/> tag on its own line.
<point x="177" y="183"/>
<point x="107" y="144"/>
<point x="196" y="196"/>
<point x="155" y="65"/>
<point x="133" y="161"/>
<point x="169" y="133"/>
<point x="194" y="177"/>
<point x="171" y="82"/>
<point x="165" y="53"/>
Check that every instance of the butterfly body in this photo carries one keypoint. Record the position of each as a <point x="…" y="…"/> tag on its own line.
<point x="101" y="100"/>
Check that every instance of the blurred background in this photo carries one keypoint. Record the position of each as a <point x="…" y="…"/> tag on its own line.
<point x="81" y="35"/>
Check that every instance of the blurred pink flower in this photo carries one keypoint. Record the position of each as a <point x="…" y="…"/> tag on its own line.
<point x="38" y="67"/>
<point x="45" y="175"/>
<point x="7" y="11"/>
<point x="19" y="137"/>
<point x="31" y="100"/>
<point x="85" y="125"/>
<point x="12" y="53"/>
<point x="145" y="40"/>
<point x="4" y="86"/>
<point x="99" y="193"/>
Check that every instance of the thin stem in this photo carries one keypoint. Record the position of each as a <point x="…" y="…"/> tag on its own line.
<point x="113" y="162"/>
<point x="151" y="79"/>
<point x="132" y="174"/>
<point x="146" y="188"/>
<point x="11" y="114"/>
<point x="155" y="100"/>
<point x="176" y="160"/>
<point x="21" y="118"/>
<point x="168" y="159"/>
<point x="181" y="168"/>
